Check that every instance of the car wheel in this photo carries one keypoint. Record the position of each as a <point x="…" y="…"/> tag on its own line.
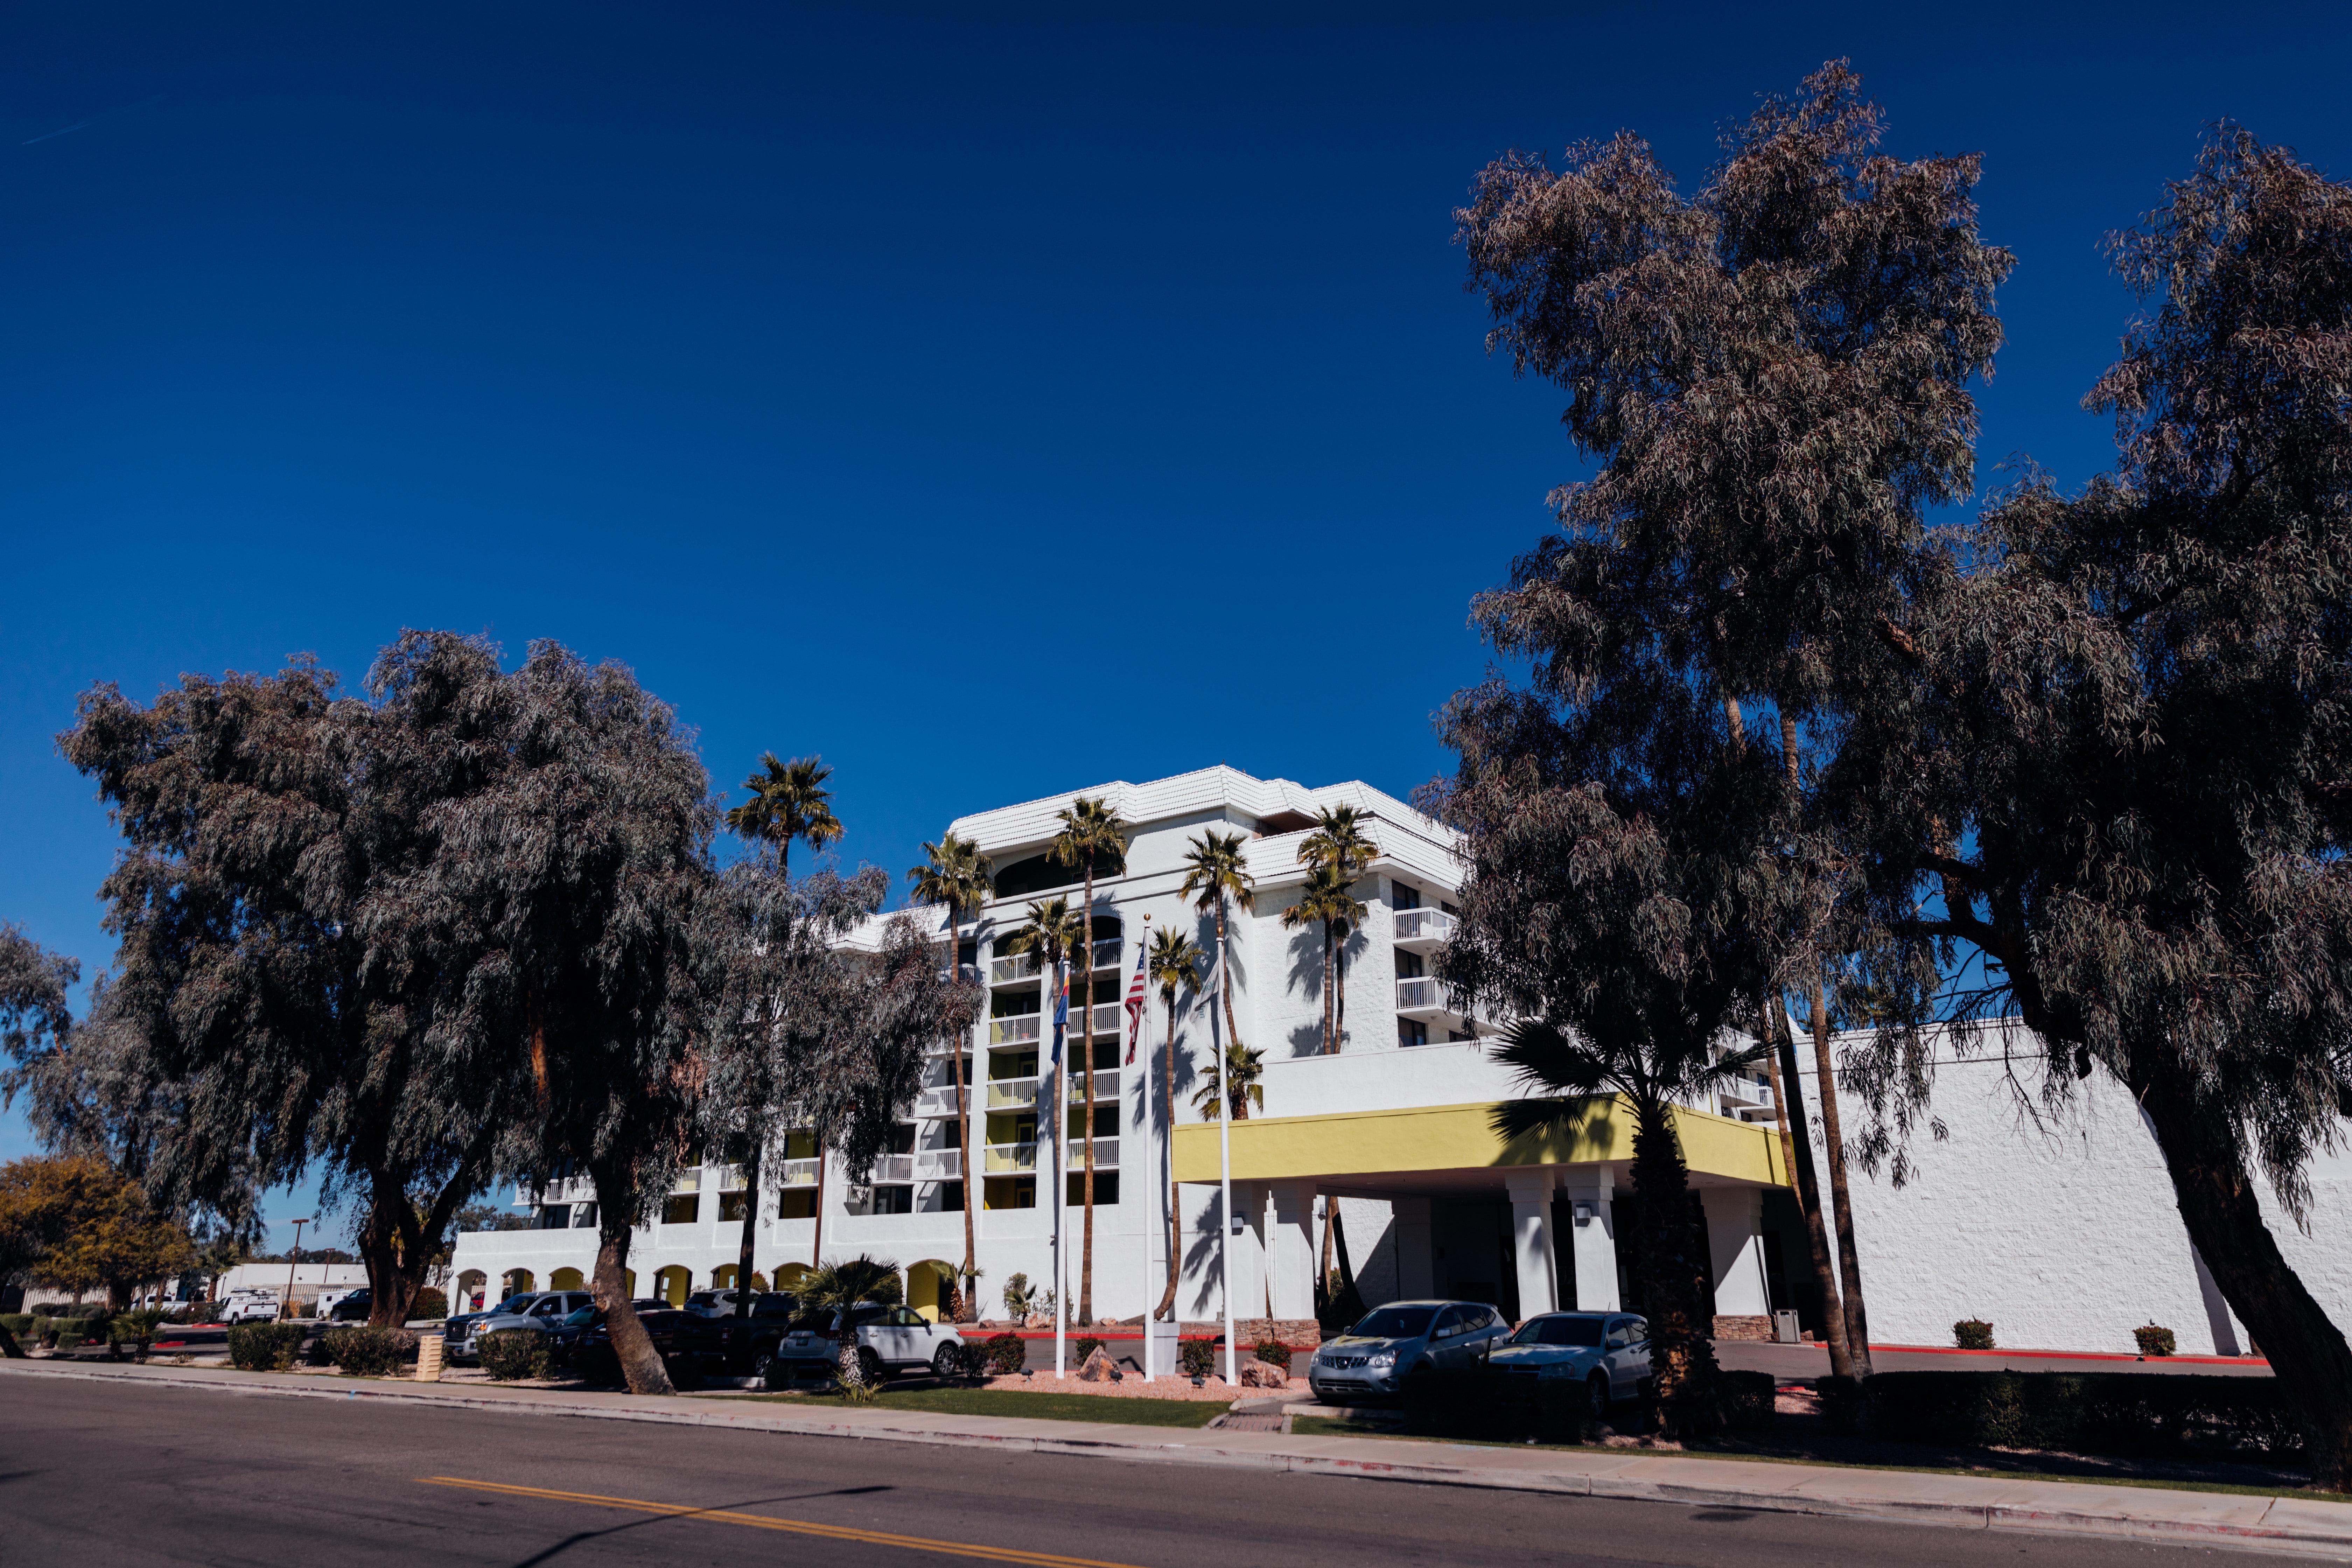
<point x="948" y="1362"/>
<point x="870" y="1369"/>
<point x="763" y="1366"/>
<point x="1596" y="1396"/>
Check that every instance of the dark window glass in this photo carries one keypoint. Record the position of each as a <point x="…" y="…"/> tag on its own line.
<point x="681" y="1208"/>
<point x="1559" y="1330"/>
<point x="1403" y="898"/>
<point x="893" y="1200"/>
<point x="1412" y="1032"/>
<point x="732" y="1206"/>
<point x="1394" y="1323"/>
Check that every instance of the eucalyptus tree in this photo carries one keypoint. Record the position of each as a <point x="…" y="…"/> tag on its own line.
<point x="1175" y="961"/>
<point x="789" y="804"/>
<point x="1092" y="838"/>
<point x="36" y="1013"/>
<point x="783" y="991"/>
<point x="1052" y="929"/>
<point x="955" y="875"/>
<point x="2120" y="771"/>
<point x="1216" y="872"/>
<point x="1339" y="846"/>
<point x="1774" y="372"/>
<point x="283" y="997"/>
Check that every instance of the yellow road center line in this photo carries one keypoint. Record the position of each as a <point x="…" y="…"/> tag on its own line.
<point x="790" y="1526"/>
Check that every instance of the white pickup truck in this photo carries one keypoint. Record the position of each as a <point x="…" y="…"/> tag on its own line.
<point x="249" y="1306"/>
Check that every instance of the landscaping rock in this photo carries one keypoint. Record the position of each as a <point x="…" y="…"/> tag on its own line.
<point x="1257" y="1374"/>
<point x="1098" y="1368"/>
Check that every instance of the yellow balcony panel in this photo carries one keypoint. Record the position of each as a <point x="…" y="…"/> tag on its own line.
<point x="1459" y="1137"/>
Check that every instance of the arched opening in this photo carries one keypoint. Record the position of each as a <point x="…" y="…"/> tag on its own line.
<point x="515" y="1281"/>
<point x="472" y="1285"/>
<point x="566" y="1279"/>
<point x="671" y="1284"/>
<point x="928" y="1285"/>
<point x="723" y="1277"/>
<point x="789" y="1276"/>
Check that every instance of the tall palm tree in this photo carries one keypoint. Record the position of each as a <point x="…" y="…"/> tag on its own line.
<point x="1339" y="846"/>
<point x="1052" y="929"/>
<point x="1327" y="901"/>
<point x="1175" y="964"/>
<point x="1239" y="1081"/>
<point x="1568" y="1079"/>
<point x="840" y="1288"/>
<point x="1092" y="835"/>
<point x="789" y="802"/>
<point x="1216" y="869"/>
<point x="956" y="874"/>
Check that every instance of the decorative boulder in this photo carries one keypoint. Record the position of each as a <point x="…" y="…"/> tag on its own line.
<point x="1257" y="1374"/>
<point x="1099" y="1369"/>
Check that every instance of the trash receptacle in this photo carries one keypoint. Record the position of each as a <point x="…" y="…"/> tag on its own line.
<point x="1785" y="1331"/>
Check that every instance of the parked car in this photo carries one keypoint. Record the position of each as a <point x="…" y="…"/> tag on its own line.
<point x="1389" y="1344"/>
<point x="685" y="1340"/>
<point x="889" y="1339"/>
<point x="578" y="1326"/>
<point x="351" y="1307"/>
<point x="1608" y="1353"/>
<point x="454" y="1328"/>
<point x="714" y="1303"/>
<point x="546" y="1310"/>
<point x="747" y="1344"/>
<point x="249" y="1306"/>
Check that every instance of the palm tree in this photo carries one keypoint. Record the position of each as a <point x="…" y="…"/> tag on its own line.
<point x="1339" y="847"/>
<point x="1568" y="1080"/>
<point x="1243" y="1068"/>
<point x="841" y="1287"/>
<point x="1175" y="964"/>
<point x="1216" y="869"/>
<point x="789" y="802"/>
<point x="956" y="874"/>
<point x="1091" y="833"/>
<point x="1052" y="929"/>
<point x="1325" y="900"/>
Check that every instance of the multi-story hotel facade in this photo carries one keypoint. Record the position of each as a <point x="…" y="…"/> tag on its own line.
<point x="2063" y="1229"/>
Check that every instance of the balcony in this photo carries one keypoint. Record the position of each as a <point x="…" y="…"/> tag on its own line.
<point x="1012" y="969"/>
<point x="797" y="1174"/>
<point x="1012" y="1093"/>
<point x="1106" y="1153"/>
<point x="1421" y="997"/>
<point x="1009" y="1159"/>
<point x="1106" y="1085"/>
<point x="1418" y="930"/>
<point x="1020" y="1029"/>
<point x="1107" y="951"/>
<point x="939" y="1164"/>
<point x="1745" y="1103"/>
<point x="939" y="1101"/>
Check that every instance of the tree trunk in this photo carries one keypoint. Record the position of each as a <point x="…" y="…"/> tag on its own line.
<point x="1674" y="1278"/>
<point x="641" y="1364"/>
<point x="1324" y="1293"/>
<point x="1225" y="980"/>
<point x="817" y="1247"/>
<point x="1798" y="1144"/>
<point x="1857" y="1322"/>
<point x="1087" y="1081"/>
<point x="1329" y="1044"/>
<point x="1167" y="1307"/>
<point x="971" y="1176"/>
<point x="750" y="1230"/>
<point x="1339" y="972"/>
<point x="2218" y="1204"/>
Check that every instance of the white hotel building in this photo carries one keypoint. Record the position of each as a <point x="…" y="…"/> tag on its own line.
<point x="2062" y="1234"/>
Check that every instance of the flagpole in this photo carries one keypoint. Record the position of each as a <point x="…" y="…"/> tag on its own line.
<point x="1061" y="1114"/>
<point x="1225" y="1180"/>
<point x="1151" y="1165"/>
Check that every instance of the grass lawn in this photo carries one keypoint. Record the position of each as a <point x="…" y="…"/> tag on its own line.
<point x="1037" y="1407"/>
<point x="1326" y="1427"/>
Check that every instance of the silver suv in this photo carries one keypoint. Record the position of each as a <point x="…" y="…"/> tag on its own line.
<point x="1389" y="1345"/>
<point x="544" y="1311"/>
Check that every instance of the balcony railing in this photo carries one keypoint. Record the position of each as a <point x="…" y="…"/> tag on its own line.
<point x="937" y="1100"/>
<point x="1106" y="1153"/>
<point x="1107" y="951"/>
<point x="939" y="1164"/>
<point x="1419" y="995"/>
<point x="1009" y="1159"/>
<point x="1423" y="927"/>
<point x="1012" y="968"/>
<point x="1019" y="1029"/>
<point x="1105" y="1084"/>
<point x="1012" y="1093"/>
<point x="797" y="1174"/>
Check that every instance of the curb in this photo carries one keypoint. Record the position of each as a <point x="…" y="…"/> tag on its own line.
<point x="2279" y="1524"/>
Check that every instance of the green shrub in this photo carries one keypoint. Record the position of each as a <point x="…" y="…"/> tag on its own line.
<point x="1843" y="1404"/>
<point x="430" y="1304"/>
<point x="1972" y="1335"/>
<point x="1197" y="1357"/>
<point x="19" y="1323"/>
<point x="1005" y="1353"/>
<point x="1749" y="1399"/>
<point x="264" y="1347"/>
<point x="136" y="1329"/>
<point x="1275" y="1353"/>
<point x="365" y="1352"/>
<point x="2154" y="1340"/>
<point x="512" y="1353"/>
<point x="2088" y="1413"/>
<point x="69" y="1334"/>
<point x="1087" y="1344"/>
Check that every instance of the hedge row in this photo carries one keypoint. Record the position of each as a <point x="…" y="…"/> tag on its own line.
<point x="2085" y="1413"/>
<point x="265" y="1347"/>
<point x="365" y="1352"/>
<point x="1486" y="1404"/>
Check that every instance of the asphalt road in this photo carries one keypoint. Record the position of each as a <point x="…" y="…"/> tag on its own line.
<point x="92" y="1473"/>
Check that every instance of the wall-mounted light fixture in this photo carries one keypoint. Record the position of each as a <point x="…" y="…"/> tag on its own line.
<point x="1584" y="1214"/>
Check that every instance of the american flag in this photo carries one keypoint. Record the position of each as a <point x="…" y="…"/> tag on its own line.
<point x="1135" y="1007"/>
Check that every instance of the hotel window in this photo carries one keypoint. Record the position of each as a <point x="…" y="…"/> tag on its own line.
<point x="1412" y="1032"/>
<point x="731" y="1207"/>
<point x="893" y="1200"/>
<point x="681" y="1208"/>
<point x="1403" y="898"/>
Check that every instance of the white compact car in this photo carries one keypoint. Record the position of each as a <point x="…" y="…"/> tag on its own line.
<point x="889" y="1339"/>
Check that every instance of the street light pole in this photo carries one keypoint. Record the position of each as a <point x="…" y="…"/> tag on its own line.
<point x="289" y="1265"/>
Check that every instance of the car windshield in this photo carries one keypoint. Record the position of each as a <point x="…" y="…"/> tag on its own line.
<point x="1558" y="1331"/>
<point x="815" y="1323"/>
<point x="1394" y="1323"/>
<point x="582" y="1318"/>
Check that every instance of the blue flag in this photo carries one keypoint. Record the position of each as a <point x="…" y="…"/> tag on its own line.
<point x="1061" y="1018"/>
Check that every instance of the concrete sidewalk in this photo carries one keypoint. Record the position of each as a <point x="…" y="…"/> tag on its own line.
<point x="2289" y="1526"/>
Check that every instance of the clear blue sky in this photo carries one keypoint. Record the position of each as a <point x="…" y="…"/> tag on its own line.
<point x="995" y="406"/>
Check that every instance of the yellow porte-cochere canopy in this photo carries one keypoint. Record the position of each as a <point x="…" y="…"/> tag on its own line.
<point x="1462" y="1137"/>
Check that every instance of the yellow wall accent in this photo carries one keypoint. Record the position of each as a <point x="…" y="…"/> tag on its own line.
<point x="1459" y="1137"/>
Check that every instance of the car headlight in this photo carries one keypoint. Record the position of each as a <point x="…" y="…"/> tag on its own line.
<point x="1380" y="1360"/>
